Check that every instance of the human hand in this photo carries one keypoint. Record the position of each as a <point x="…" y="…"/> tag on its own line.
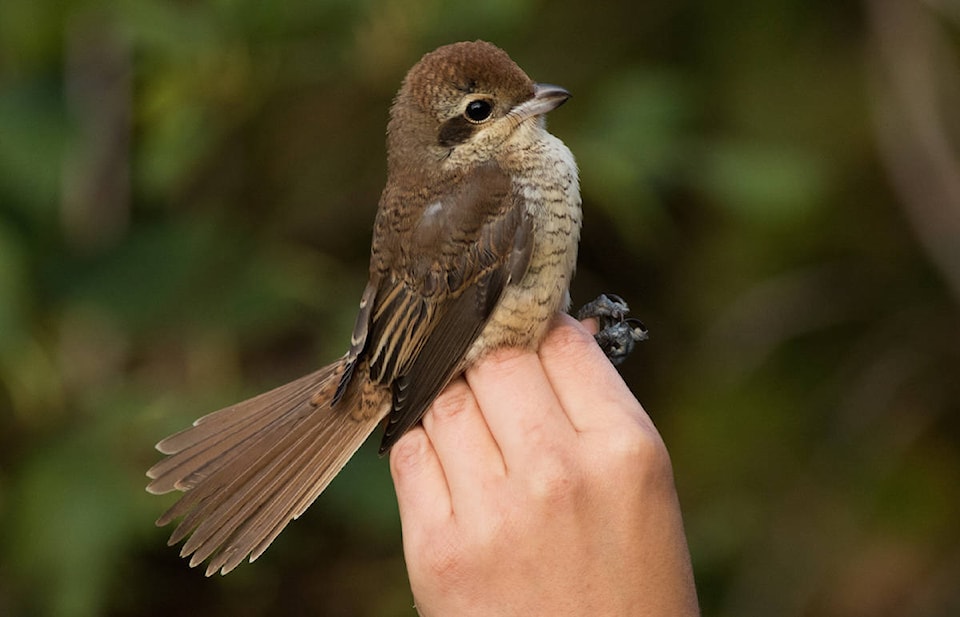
<point x="539" y="486"/>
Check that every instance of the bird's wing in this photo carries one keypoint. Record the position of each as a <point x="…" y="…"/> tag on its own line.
<point x="439" y="285"/>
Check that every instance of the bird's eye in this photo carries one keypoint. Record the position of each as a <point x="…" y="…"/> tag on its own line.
<point x="478" y="110"/>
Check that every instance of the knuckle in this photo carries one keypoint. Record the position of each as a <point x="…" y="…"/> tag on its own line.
<point x="635" y="452"/>
<point x="407" y="454"/>
<point x="455" y="399"/>
<point x="554" y="481"/>
<point x="633" y="443"/>
<point x="553" y="475"/>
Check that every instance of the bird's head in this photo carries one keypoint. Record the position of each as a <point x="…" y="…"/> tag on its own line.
<point x="460" y="104"/>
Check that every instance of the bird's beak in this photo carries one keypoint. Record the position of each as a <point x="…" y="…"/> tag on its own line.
<point x="546" y="97"/>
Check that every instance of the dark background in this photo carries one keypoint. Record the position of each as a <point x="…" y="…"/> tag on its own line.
<point x="186" y="197"/>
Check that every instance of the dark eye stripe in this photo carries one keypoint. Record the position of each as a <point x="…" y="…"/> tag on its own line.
<point x="455" y="131"/>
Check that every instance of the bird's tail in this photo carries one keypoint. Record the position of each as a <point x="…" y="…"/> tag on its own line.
<point x="249" y="469"/>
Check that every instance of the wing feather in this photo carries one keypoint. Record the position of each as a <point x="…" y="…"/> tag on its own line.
<point x="441" y="287"/>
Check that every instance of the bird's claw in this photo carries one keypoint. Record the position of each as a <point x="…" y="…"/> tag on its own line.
<point x="618" y="334"/>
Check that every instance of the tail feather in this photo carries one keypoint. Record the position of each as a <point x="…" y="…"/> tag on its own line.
<point x="214" y="424"/>
<point x="222" y="461"/>
<point x="214" y="438"/>
<point x="249" y="469"/>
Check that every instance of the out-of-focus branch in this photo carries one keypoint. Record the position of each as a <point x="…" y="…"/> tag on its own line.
<point x="913" y="95"/>
<point x="948" y="8"/>
<point x="96" y="173"/>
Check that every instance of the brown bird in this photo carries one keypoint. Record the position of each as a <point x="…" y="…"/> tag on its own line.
<point x="474" y="244"/>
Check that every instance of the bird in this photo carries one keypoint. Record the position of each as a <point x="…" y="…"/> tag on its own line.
<point x="474" y="246"/>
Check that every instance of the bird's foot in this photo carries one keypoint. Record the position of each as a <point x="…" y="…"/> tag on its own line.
<point x="618" y="334"/>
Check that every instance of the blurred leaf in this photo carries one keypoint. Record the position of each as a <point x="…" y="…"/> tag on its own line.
<point x="33" y="137"/>
<point x="631" y="144"/>
<point x="192" y="275"/>
<point x="773" y="185"/>
<point x="30" y="34"/>
<point x="68" y="524"/>
<point x="14" y="288"/>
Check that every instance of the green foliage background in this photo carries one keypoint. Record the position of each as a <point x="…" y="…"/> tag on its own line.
<point x="186" y="195"/>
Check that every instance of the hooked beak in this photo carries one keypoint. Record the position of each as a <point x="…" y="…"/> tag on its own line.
<point x="546" y="97"/>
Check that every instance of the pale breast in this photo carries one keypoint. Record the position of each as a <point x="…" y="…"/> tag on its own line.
<point x="544" y="173"/>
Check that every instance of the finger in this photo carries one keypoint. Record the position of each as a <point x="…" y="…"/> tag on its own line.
<point x="589" y="388"/>
<point x="519" y="405"/>
<point x="422" y="492"/>
<point x="464" y="445"/>
<point x="591" y="325"/>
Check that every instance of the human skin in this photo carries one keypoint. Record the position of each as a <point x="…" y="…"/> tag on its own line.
<point x="538" y="485"/>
